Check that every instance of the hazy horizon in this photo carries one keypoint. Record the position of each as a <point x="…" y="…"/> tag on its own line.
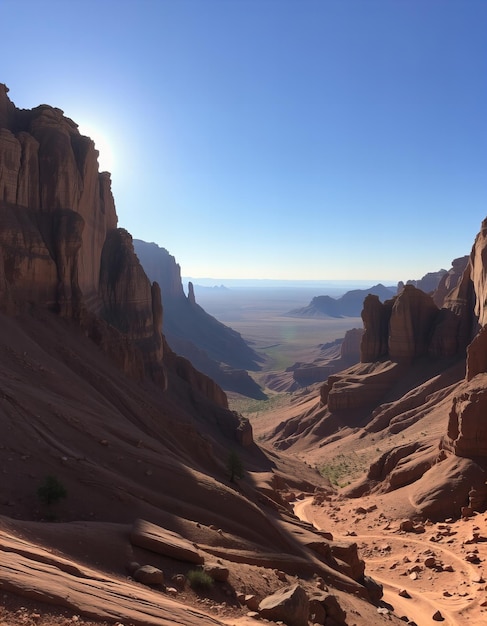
<point x="290" y="138"/>
<point x="264" y="283"/>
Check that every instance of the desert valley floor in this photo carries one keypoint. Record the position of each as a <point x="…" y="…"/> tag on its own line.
<point x="433" y="573"/>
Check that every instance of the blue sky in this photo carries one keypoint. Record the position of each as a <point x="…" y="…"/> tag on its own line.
<point x="293" y="139"/>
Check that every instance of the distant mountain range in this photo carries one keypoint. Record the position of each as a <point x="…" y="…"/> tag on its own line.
<point x="348" y="305"/>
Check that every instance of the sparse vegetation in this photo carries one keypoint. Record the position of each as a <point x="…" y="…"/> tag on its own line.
<point x="247" y="406"/>
<point x="199" y="579"/>
<point x="51" y="491"/>
<point x="342" y="469"/>
<point x="234" y="466"/>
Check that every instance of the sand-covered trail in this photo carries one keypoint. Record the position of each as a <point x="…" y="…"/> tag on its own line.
<point x="440" y="569"/>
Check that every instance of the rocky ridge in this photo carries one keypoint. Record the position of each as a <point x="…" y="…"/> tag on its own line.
<point x="422" y="362"/>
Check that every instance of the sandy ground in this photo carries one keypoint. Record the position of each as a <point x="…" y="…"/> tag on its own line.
<point x="441" y="569"/>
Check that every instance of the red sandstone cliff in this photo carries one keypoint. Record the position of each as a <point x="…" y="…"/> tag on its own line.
<point x="60" y="247"/>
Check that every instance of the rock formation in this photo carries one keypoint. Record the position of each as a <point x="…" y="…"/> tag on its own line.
<point x="428" y="283"/>
<point x="213" y="348"/>
<point x="60" y="247"/>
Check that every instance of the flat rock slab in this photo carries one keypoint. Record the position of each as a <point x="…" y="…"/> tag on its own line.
<point x="163" y="541"/>
<point x="36" y="573"/>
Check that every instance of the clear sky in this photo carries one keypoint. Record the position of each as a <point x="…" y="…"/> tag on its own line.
<point x="293" y="139"/>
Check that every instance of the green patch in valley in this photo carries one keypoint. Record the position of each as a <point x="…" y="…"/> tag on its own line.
<point x="343" y="469"/>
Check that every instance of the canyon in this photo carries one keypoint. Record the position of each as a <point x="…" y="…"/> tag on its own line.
<point x="95" y="396"/>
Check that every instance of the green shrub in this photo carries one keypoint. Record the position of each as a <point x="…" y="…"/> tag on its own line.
<point x="234" y="466"/>
<point x="198" y="579"/>
<point x="51" y="491"/>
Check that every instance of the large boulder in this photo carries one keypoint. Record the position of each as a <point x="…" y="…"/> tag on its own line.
<point x="289" y="605"/>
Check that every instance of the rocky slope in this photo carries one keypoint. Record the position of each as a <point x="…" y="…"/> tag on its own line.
<point x="419" y="389"/>
<point x="103" y="427"/>
<point x="213" y="348"/>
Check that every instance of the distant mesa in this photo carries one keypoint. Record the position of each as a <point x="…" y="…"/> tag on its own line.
<point x="213" y="348"/>
<point x="206" y="288"/>
<point x="348" y="305"/>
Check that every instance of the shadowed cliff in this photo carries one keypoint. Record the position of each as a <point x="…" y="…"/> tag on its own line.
<point x="213" y="348"/>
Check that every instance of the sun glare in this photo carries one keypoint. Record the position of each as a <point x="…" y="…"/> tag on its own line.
<point x="106" y="156"/>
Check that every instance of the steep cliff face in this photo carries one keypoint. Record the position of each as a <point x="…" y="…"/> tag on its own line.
<point x="49" y="182"/>
<point x="467" y="435"/>
<point x="412" y="325"/>
<point x="60" y="247"/>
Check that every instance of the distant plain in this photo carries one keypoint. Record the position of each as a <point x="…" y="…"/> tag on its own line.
<point x="259" y="315"/>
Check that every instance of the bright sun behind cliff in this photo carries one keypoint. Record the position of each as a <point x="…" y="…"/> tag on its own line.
<point x="106" y="156"/>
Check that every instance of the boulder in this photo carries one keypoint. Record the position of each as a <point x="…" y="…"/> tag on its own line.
<point x="334" y="611"/>
<point x="289" y="605"/>
<point x="218" y="572"/>
<point x="163" y="541"/>
<point x="148" y="575"/>
<point x="317" y="613"/>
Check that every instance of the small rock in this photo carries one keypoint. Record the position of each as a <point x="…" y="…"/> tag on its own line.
<point x="172" y="591"/>
<point x="404" y="593"/>
<point x="179" y="580"/>
<point x="148" y="575"/>
<point x="406" y="526"/>
<point x="438" y="617"/>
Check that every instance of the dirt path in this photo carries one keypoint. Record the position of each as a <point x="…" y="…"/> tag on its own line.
<point x="401" y="561"/>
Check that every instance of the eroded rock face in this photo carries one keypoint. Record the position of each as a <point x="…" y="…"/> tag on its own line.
<point x="60" y="247"/>
<point x="411" y="323"/>
<point x="450" y="280"/>
<point x="376" y="316"/>
<point x="350" y="348"/>
<point x="467" y="427"/>
<point x="56" y="208"/>
<point x="467" y="434"/>
<point x="478" y="264"/>
<point x="414" y="323"/>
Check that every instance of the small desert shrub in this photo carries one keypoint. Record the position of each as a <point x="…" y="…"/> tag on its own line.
<point x="234" y="466"/>
<point x="51" y="491"/>
<point x="198" y="579"/>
